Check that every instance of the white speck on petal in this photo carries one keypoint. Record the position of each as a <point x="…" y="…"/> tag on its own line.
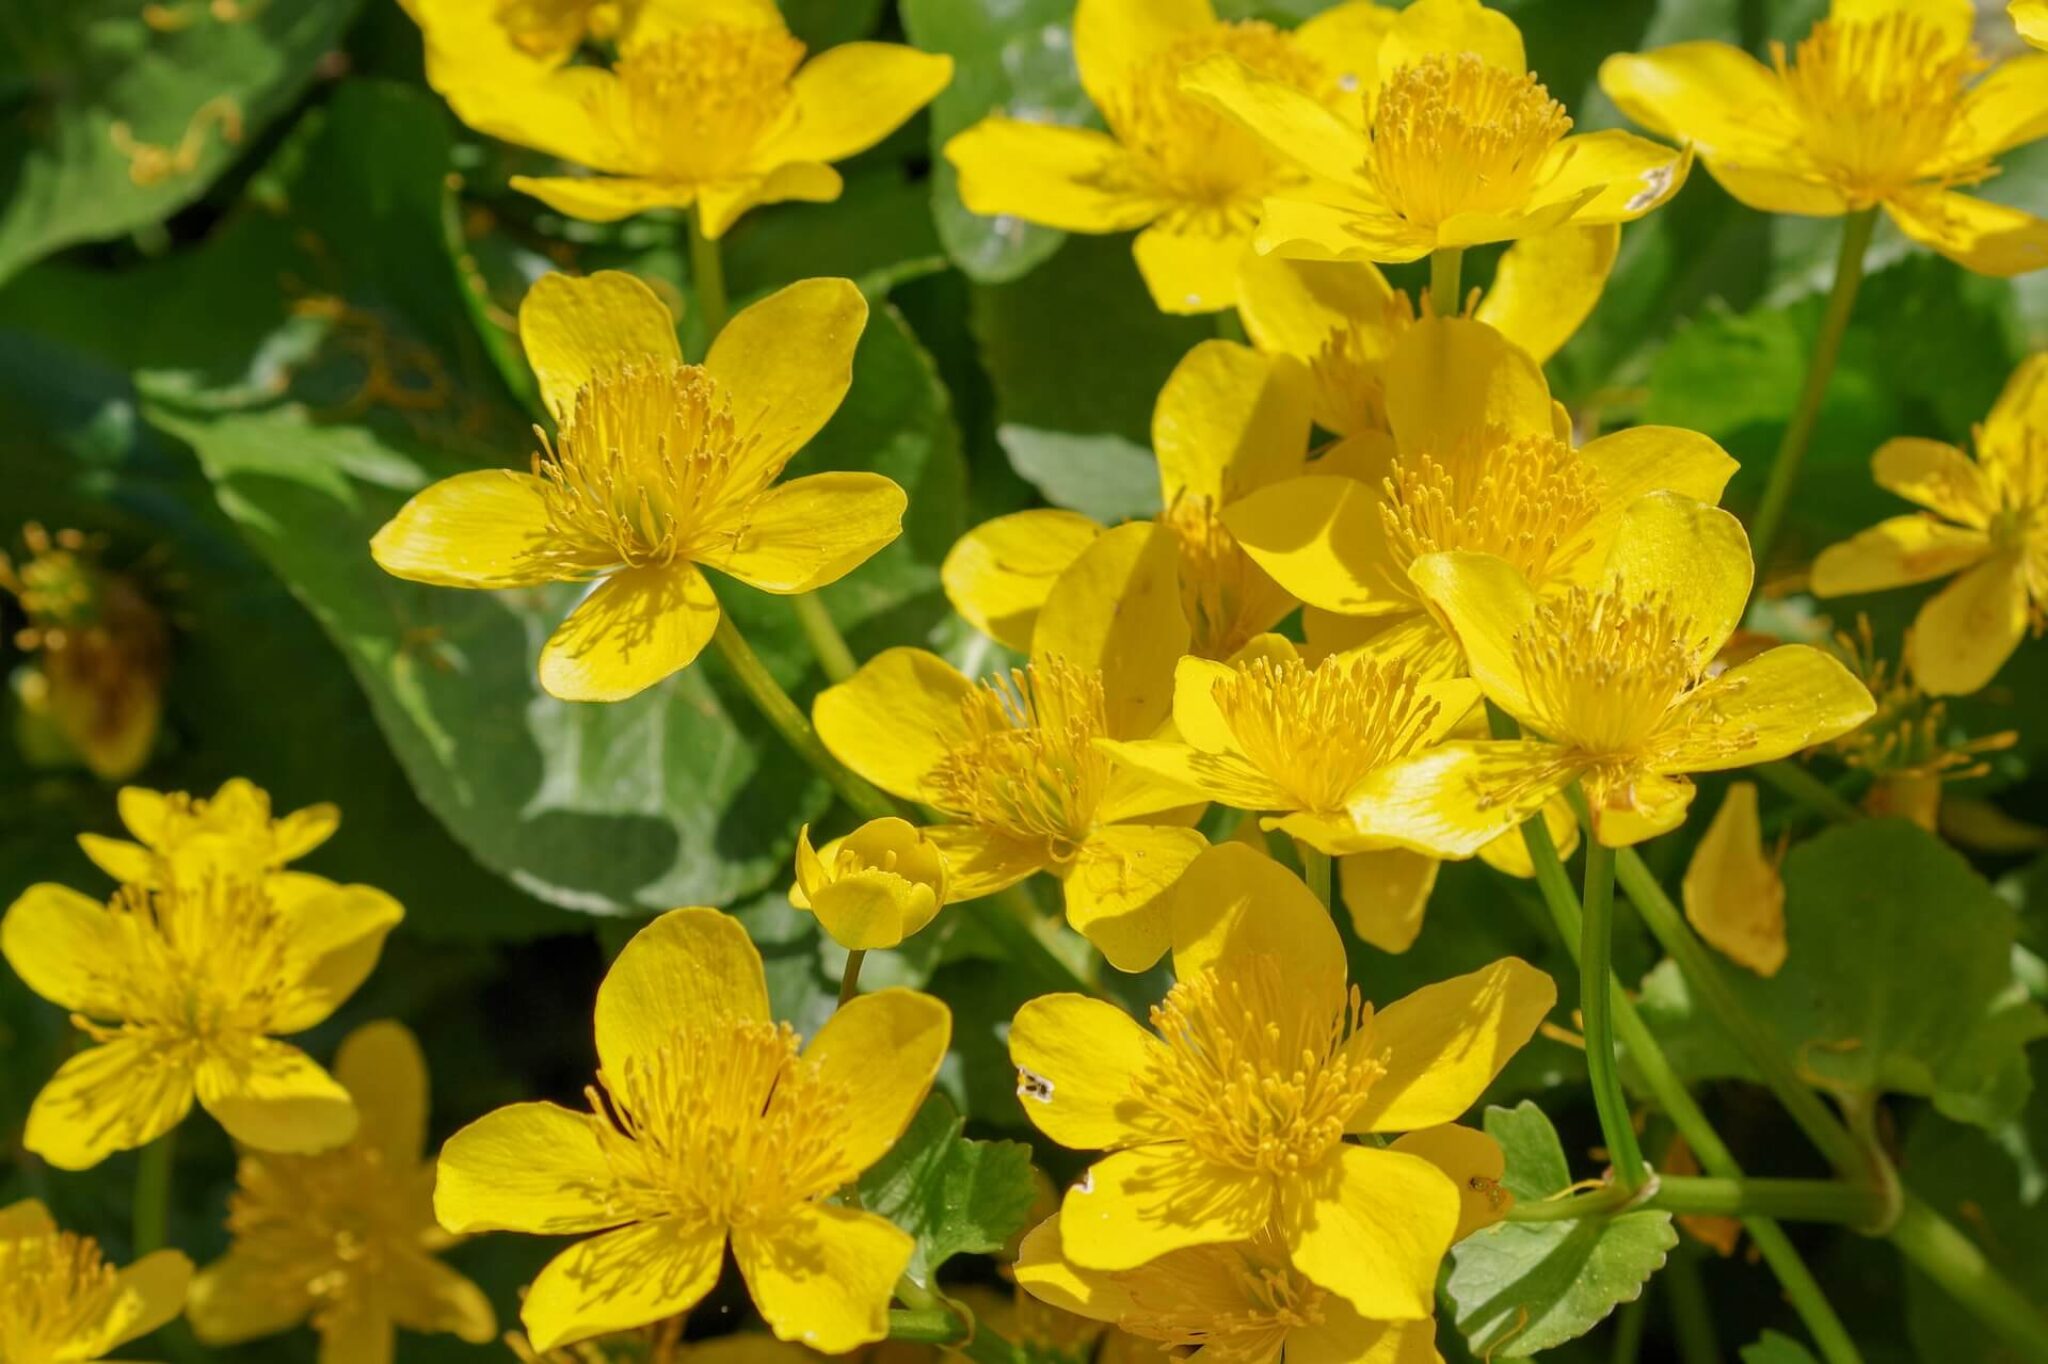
<point x="1034" y="1087"/>
<point x="1656" y="181"/>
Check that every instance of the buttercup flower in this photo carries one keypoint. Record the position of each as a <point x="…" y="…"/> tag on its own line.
<point x="1460" y="146"/>
<point x="233" y="831"/>
<point x="346" y="1238"/>
<point x="186" y="988"/>
<point x="709" y="1124"/>
<point x="873" y="888"/>
<point x="658" y="470"/>
<point x="1985" y="520"/>
<point x="1228" y="422"/>
<point x="1227" y="1121"/>
<point x="62" y="1303"/>
<point x="1880" y="104"/>
<point x="1733" y="893"/>
<point x="1012" y="766"/>
<point x="1481" y="461"/>
<point x="1617" y="680"/>
<point x="1169" y="164"/>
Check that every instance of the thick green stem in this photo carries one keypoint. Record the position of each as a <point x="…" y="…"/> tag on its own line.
<point x="1952" y="1260"/>
<point x="1797" y="1200"/>
<point x="1827" y="348"/>
<point x="1596" y="1008"/>
<point x="1446" y="271"/>
<point x="828" y="646"/>
<point x="1792" y="780"/>
<point x="849" y="980"/>
<point x="927" y="1319"/>
<point x="153" y="1194"/>
<point x="1315" y="869"/>
<point x="707" y="276"/>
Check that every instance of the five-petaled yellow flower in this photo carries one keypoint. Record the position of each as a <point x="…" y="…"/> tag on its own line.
<point x="1169" y="164"/>
<point x="347" y="1237"/>
<point x="1878" y="105"/>
<point x="62" y="1303"/>
<point x="1012" y="764"/>
<point x="1227" y="1122"/>
<point x="658" y="469"/>
<point x="1615" y="683"/>
<point x="709" y="1124"/>
<point x="1479" y="459"/>
<point x="710" y="104"/>
<point x="186" y="987"/>
<point x="1228" y="422"/>
<point x="1461" y="145"/>
<point x="233" y="830"/>
<point x="1986" y="520"/>
<point x="874" y="887"/>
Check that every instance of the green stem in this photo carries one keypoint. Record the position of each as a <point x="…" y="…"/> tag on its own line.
<point x="1953" y="1260"/>
<point x="1798" y="1200"/>
<point x="707" y="276"/>
<point x="1596" y="1001"/>
<point x="849" y="980"/>
<point x="1446" y="268"/>
<point x="828" y="646"/>
<point x="153" y="1194"/>
<point x="1692" y="1319"/>
<point x="1315" y="869"/>
<point x="1827" y="348"/>
<point x="1795" y="781"/>
<point x="1628" y="1329"/>
<point x="927" y="1319"/>
<point x="1013" y="921"/>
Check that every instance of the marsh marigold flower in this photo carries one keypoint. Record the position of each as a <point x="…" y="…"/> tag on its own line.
<point x="1880" y="104"/>
<point x="1618" y="680"/>
<point x="1169" y="164"/>
<point x="873" y="888"/>
<point x="345" y="1238"/>
<point x="710" y="1124"/>
<point x="1985" y="523"/>
<point x="186" y="988"/>
<point x="233" y="830"/>
<point x="658" y="470"/>
<point x="1226" y="1122"/>
<point x="62" y="1303"/>
<point x="1460" y="145"/>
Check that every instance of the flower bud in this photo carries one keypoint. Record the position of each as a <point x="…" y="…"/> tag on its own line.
<point x="873" y="888"/>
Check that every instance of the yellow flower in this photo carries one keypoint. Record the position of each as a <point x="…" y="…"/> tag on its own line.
<point x="709" y="104"/>
<point x="61" y="1303"/>
<point x="1481" y="460"/>
<point x="1879" y="104"/>
<point x="194" y="980"/>
<point x="1986" y="520"/>
<point x="346" y="1237"/>
<point x="1460" y="146"/>
<point x="1012" y="764"/>
<point x="709" y="1123"/>
<point x="1228" y="422"/>
<point x="1733" y="893"/>
<point x="2031" y="18"/>
<point x="1191" y="178"/>
<point x="1227" y="1121"/>
<point x="1615" y="684"/>
<point x="873" y="888"/>
<point x="101" y="651"/>
<point x="232" y="832"/>
<point x="658" y="469"/>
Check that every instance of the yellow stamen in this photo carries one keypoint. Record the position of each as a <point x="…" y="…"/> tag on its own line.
<point x="1454" y="135"/>
<point x="692" y="106"/>
<point x="1247" y="1324"/>
<point x="1318" y="732"/>
<point x="1030" y="767"/>
<point x="1226" y="597"/>
<point x="54" y="1289"/>
<point x="1604" y="670"/>
<point x="208" y="965"/>
<point x="1525" y="499"/>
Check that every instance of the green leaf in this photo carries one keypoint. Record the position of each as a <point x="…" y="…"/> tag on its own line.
<point x="1899" y="979"/>
<point x="1518" y="1288"/>
<point x="956" y="1196"/>
<point x="97" y="76"/>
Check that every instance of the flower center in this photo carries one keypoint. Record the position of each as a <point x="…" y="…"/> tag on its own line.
<point x="643" y="454"/>
<point x="692" y="106"/>
<point x="1349" y="368"/>
<point x="1226" y="597"/>
<point x="1524" y="499"/>
<point x="336" y="1225"/>
<point x="54" y="1288"/>
<point x="1877" y="101"/>
<point x="725" y="1127"/>
<point x="1253" y="1080"/>
<point x="1029" y="767"/>
<point x="1452" y="135"/>
<point x="208" y="963"/>
<point x="1317" y="732"/>
<point x="2015" y="464"/>
<point x="1245" y="1322"/>
<point x="1604" y="670"/>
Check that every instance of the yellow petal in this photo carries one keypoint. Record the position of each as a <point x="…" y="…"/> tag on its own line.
<point x="532" y="1167"/>
<point x="1137" y="1205"/>
<point x="1443" y="1044"/>
<point x="1116" y="885"/>
<point x="1541" y="215"/>
<point x="1767" y="189"/>
<point x="636" y="628"/>
<point x="605" y="198"/>
<point x="2006" y="109"/>
<point x="1914" y="548"/>
<point x="1475" y="1164"/>
<point x="787" y="362"/>
<point x="1225" y="778"/>
<point x="874" y="887"/>
<point x="885" y="1048"/>
<point x="68" y="949"/>
<point x="486" y="528"/>
<point x="1235" y="907"/>
<point x="1343" y="226"/>
<point x="1196" y="717"/>
<point x="1636" y="804"/>
<point x="381" y="1067"/>
<point x="1043" y="1271"/>
<point x="690" y="972"/>
<point x="1454" y="799"/>
<point x="1509" y="854"/>
<point x="25" y="1220"/>
<point x="301" y="831"/>
<point x="431" y="1297"/>
<point x="852" y="96"/>
<point x="1783" y="700"/>
<point x="1229" y="420"/>
<point x="805" y="533"/>
<point x="574" y="329"/>
<point x="2022" y="406"/>
<point x="1486" y="603"/>
<point x="1346" y="39"/>
<point x="1991" y="239"/>
<point x="1688" y="553"/>
<point x="1294" y="307"/>
<point x="1449" y="379"/>
<point x="1431" y="27"/>
<point x="1546" y="285"/>
<point x="147" y="1294"/>
<point x="1343" y="1336"/>
<point x="1713" y="95"/>
<point x="620" y="1280"/>
<point x="1113" y="36"/>
<point x="2031" y="18"/>
<point x="336" y="934"/>
<point x="1733" y="893"/>
<point x="981" y="861"/>
<point x="1372" y="1226"/>
<point x="1076" y="1061"/>
<point x="1324" y="540"/>
<point x="273" y="1097"/>
<point x="1632" y="464"/>
<point x="1386" y="893"/>
<point x="1631" y="175"/>
<point x="1937" y="476"/>
<point x="1953" y="19"/>
<point x="1117" y="611"/>
<point x="721" y="203"/>
<point x="895" y="719"/>
<point x="1190" y="263"/>
<point x="359" y="1332"/>
<point x="998" y="575"/>
<point x="131" y="864"/>
<point x="1964" y="635"/>
<point x="1072" y="178"/>
<point x="1295" y="123"/>
<point x="242" y="1297"/>
<point x="113" y="1097"/>
<point x="823" y="1275"/>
